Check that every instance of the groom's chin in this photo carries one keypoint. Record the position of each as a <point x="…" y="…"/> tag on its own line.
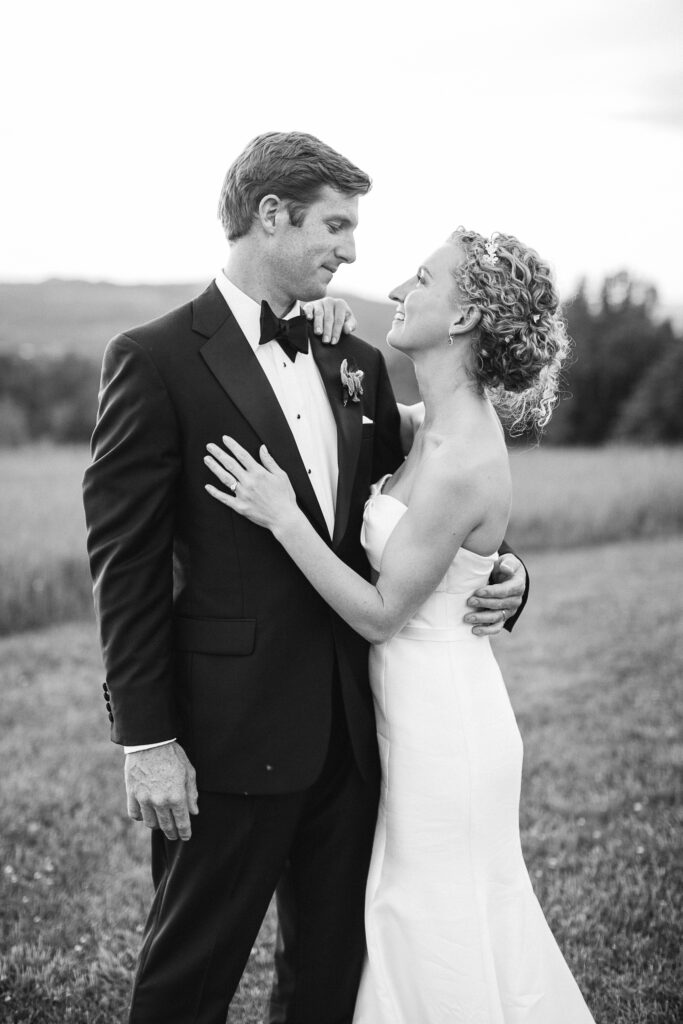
<point x="314" y="291"/>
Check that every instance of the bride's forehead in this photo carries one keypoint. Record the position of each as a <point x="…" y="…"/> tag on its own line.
<point x="444" y="260"/>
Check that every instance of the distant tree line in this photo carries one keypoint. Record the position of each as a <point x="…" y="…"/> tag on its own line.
<point x="47" y="397"/>
<point x="625" y="378"/>
<point x="624" y="381"/>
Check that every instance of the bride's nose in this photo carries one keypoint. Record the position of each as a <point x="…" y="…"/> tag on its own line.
<point x="399" y="293"/>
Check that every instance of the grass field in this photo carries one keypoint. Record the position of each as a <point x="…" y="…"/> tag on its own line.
<point x="44" y="574"/>
<point x="594" y="671"/>
<point x="569" y="497"/>
<point x="563" y="498"/>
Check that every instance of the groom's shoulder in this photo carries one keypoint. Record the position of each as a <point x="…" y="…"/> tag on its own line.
<point x="168" y="329"/>
<point x="178" y="332"/>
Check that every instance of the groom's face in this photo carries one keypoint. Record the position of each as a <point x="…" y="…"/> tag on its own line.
<point x="304" y="259"/>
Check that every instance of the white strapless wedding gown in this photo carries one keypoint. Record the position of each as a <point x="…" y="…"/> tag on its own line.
<point x="455" y="933"/>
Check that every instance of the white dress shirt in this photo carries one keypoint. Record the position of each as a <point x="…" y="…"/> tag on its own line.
<point x="301" y="394"/>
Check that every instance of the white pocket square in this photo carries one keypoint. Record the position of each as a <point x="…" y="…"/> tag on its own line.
<point x="366" y="420"/>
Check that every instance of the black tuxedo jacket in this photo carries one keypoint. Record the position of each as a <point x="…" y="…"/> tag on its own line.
<point x="209" y="631"/>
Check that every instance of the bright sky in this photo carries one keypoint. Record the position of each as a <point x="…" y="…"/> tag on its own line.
<point x="560" y="121"/>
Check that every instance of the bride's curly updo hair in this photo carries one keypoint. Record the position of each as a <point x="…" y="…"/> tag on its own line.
<point x="520" y="342"/>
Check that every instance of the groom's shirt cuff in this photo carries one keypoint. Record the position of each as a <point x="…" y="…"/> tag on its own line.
<point x="147" y="746"/>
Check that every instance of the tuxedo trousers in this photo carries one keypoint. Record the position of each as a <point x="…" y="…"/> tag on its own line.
<point x="212" y="893"/>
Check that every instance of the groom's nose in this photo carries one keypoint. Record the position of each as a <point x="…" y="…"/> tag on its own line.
<point x="345" y="250"/>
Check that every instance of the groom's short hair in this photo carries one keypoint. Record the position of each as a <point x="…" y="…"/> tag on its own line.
<point x="291" y="165"/>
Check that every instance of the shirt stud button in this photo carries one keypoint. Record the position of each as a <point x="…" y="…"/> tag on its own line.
<point x="269" y="767"/>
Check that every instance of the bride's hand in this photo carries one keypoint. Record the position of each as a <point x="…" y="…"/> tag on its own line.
<point x="260" y="491"/>
<point x="331" y="317"/>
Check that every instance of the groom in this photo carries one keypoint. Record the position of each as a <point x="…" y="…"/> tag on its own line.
<point x="220" y="658"/>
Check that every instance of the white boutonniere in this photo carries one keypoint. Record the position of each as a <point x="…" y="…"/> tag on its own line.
<point x="352" y="381"/>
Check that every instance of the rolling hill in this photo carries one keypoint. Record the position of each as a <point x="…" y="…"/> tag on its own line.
<point x="59" y="316"/>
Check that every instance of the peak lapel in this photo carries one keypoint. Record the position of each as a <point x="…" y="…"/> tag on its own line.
<point x="349" y="420"/>
<point x="230" y="358"/>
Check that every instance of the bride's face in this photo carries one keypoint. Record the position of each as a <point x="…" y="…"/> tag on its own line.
<point x="426" y="304"/>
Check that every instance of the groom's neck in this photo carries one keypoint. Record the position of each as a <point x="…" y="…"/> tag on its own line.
<point x="249" y="271"/>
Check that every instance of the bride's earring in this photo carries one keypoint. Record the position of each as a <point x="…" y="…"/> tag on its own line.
<point x="451" y="339"/>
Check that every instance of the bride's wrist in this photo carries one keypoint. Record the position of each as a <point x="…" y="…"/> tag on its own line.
<point x="287" y="524"/>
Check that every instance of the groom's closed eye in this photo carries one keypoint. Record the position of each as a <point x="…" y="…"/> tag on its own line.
<point x="341" y="224"/>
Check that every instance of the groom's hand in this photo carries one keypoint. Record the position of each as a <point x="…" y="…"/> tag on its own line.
<point x="494" y="604"/>
<point x="162" y="789"/>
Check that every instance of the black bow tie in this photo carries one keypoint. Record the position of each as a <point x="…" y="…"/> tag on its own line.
<point x="291" y="335"/>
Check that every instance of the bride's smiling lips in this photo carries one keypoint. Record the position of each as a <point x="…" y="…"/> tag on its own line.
<point x="399" y="316"/>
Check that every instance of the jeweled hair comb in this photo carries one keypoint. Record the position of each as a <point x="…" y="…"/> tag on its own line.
<point x="491" y="256"/>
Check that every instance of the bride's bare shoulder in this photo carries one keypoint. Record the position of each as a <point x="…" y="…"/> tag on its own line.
<point x="472" y="465"/>
<point x="472" y="453"/>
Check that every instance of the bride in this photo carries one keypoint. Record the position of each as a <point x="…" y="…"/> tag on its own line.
<point x="454" y="931"/>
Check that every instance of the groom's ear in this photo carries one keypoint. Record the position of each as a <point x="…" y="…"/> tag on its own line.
<point x="465" y="320"/>
<point x="268" y="209"/>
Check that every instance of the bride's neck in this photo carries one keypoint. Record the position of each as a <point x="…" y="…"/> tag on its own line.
<point x="446" y="390"/>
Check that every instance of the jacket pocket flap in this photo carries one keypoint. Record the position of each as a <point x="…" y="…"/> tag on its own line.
<point x="215" y="636"/>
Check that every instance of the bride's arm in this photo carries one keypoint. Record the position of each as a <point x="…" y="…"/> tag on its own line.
<point x="415" y="559"/>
